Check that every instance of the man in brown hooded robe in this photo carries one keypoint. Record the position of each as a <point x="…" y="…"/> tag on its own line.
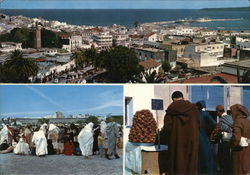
<point x="181" y="123"/>
<point x="241" y="129"/>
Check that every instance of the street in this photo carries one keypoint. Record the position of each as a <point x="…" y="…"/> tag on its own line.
<point x="11" y="164"/>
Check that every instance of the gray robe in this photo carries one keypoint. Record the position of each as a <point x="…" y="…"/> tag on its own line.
<point x="112" y="135"/>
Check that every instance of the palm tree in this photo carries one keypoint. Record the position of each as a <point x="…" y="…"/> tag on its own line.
<point x="19" y="69"/>
<point x="218" y="79"/>
<point x="149" y="77"/>
<point x="91" y="55"/>
<point x="246" y="77"/>
<point x="80" y="59"/>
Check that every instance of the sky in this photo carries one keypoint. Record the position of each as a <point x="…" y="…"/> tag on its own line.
<point x="121" y="4"/>
<point x="42" y="100"/>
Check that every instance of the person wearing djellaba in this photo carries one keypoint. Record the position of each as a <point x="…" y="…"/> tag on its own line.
<point x="112" y="131"/>
<point x="241" y="140"/>
<point x="181" y="124"/>
<point x="206" y="163"/>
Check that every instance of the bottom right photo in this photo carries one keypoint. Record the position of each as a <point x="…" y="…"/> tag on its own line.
<point x="187" y="129"/>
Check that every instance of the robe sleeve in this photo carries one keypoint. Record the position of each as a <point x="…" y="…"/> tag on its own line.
<point x="236" y="132"/>
<point x="211" y="120"/>
<point x="116" y="131"/>
<point x="167" y="126"/>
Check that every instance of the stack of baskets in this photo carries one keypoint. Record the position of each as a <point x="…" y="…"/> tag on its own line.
<point x="144" y="127"/>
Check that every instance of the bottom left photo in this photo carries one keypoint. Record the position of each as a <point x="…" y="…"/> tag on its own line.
<point x="55" y="129"/>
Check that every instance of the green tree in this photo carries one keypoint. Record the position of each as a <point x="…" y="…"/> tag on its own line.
<point x="99" y="62"/>
<point x="166" y="66"/>
<point x="150" y="77"/>
<point x="50" y="39"/>
<point x="218" y="79"/>
<point x="117" y="119"/>
<point x="80" y="59"/>
<point x="18" y="69"/>
<point x="26" y="37"/>
<point x="91" y="55"/>
<point x="121" y="64"/>
<point x="246" y="77"/>
<point x="92" y="119"/>
<point x="43" y="120"/>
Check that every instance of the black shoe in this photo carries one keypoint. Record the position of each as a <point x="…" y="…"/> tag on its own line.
<point x="107" y="157"/>
<point x="116" y="156"/>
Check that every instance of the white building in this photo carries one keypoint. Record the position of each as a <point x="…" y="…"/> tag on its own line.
<point x="103" y="40"/>
<point x="10" y="46"/>
<point x="150" y="53"/>
<point x="182" y="31"/>
<point x="205" y="55"/>
<point x="120" y="39"/>
<point x="153" y="37"/>
<point x="75" y="42"/>
<point x="231" y="68"/>
<point x="208" y="33"/>
<point x="244" y="44"/>
<point x="150" y="65"/>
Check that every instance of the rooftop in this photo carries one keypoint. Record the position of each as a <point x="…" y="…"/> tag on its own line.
<point x="149" y="34"/>
<point x="207" y="79"/>
<point x="149" y="64"/>
<point x="149" y="49"/>
<point x="243" y="64"/>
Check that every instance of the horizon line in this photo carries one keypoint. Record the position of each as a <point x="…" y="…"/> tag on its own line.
<point x="122" y="8"/>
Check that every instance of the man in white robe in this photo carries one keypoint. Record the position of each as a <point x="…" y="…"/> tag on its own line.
<point x="40" y="142"/>
<point x="22" y="147"/>
<point x="112" y="132"/>
<point x="86" y="140"/>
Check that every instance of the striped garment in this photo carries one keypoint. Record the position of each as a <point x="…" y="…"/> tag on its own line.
<point x="226" y="123"/>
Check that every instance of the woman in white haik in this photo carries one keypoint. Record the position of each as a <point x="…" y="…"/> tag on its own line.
<point x="4" y="134"/>
<point x="53" y="134"/>
<point x="86" y="140"/>
<point x="22" y="148"/>
<point x="104" y="135"/>
<point x="40" y="142"/>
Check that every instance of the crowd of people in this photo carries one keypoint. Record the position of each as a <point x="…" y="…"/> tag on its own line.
<point x="49" y="139"/>
<point x="200" y="144"/>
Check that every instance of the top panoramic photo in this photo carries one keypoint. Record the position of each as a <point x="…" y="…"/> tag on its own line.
<point x="124" y="41"/>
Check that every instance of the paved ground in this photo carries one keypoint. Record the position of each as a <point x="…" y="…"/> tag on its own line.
<point x="11" y="164"/>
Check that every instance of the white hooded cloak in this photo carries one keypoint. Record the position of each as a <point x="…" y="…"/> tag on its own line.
<point x="53" y="134"/>
<point x="21" y="147"/>
<point x="41" y="142"/>
<point x="4" y="134"/>
<point x="86" y="139"/>
<point x="103" y="131"/>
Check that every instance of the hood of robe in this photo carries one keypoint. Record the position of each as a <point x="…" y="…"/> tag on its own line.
<point x="239" y="111"/>
<point x="182" y="109"/>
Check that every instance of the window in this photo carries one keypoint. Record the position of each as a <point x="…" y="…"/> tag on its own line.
<point x="128" y="111"/>
<point x="246" y="97"/>
<point x="212" y="95"/>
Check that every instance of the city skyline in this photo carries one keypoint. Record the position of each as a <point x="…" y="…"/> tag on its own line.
<point x="121" y="4"/>
<point x="39" y="101"/>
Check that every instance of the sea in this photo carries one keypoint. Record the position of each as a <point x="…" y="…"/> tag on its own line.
<point x="127" y="17"/>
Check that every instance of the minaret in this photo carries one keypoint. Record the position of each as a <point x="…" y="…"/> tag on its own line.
<point x="37" y="37"/>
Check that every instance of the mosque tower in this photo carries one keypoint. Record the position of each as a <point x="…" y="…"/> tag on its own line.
<point x="37" y="37"/>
